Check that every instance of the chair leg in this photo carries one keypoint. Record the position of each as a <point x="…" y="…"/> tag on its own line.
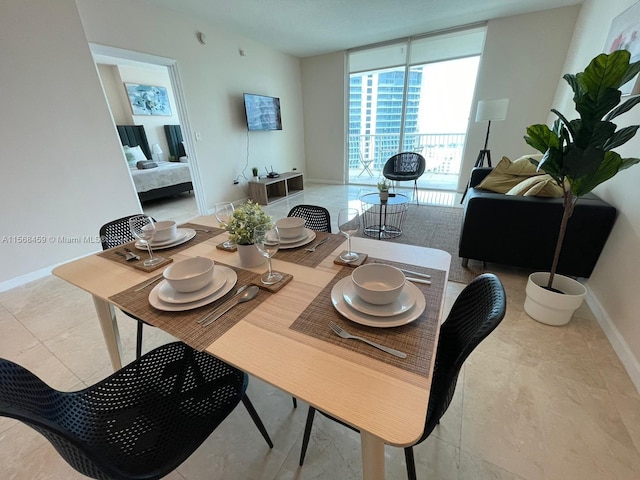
<point x="256" y="419"/>
<point x="415" y="191"/>
<point x="307" y="434"/>
<point x="411" y="464"/>
<point x="295" y="402"/>
<point x="139" y="340"/>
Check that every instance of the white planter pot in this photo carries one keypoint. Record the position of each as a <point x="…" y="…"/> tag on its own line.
<point x="549" y="307"/>
<point x="250" y="256"/>
<point x="384" y="196"/>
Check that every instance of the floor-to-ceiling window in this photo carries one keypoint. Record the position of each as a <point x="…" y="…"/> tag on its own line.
<point x="412" y="95"/>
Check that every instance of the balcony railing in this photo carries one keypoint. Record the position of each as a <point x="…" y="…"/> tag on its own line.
<point x="442" y="151"/>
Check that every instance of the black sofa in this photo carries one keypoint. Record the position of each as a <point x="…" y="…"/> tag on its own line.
<point x="522" y="231"/>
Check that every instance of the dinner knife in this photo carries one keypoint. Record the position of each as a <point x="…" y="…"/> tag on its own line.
<point x="417" y="274"/>
<point x="132" y="253"/>
<point x="418" y="280"/>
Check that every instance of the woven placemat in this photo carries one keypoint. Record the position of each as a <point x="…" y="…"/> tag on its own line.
<point x="300" y="255"/>
<point x="415" y="339"/>
<point x="201" y="236"/>
<point x="182" y="325"/>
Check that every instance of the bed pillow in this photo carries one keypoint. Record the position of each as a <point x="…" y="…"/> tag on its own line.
<point x="131" y="158"/>
<point x="508" y="174"/>
<point x="138" y="153"/>
<point x="537" y="186"/>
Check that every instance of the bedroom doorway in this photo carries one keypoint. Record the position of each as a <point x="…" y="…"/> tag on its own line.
<point x="117" y="67"/>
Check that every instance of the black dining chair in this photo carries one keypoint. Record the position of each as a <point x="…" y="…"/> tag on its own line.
<point x="316" y="218"/>
<point x="113" y="234"/>
<point x="477" y="311"/>
<point x="405" y="166"/>
<point x="141" y="422"/>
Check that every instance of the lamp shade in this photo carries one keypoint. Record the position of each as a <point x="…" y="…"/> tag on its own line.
<point x="490" y="110"/>
<point x="156" y="149"/>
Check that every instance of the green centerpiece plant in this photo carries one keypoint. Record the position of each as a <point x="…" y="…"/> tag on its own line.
<point x="578" y="154"/>
<point x="244" y="220"/>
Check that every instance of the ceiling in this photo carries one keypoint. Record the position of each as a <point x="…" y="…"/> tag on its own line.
<point x="312" y="27"/>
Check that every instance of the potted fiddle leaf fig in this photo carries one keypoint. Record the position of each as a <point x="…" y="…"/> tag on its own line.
<point x="579" y="156"/>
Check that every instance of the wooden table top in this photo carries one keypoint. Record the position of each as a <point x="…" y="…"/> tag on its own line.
<point x="371" y="395"/>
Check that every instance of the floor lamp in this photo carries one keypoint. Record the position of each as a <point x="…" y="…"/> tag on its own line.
<point x="488" y="111"/>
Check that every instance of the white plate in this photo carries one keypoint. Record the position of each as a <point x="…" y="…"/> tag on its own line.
<point x="403" y="303"/>
<point x="182" y="237"/>
<point x="167" y="294"/>
<point x="231" y="279"/>
<point x="310" y="237"/>
<point x="305" y="233"/>
<point x="337" y="298"/>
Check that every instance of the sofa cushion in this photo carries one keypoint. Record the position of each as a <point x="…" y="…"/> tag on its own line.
<point x="508" y="174"/>
<point x="537" y="186"/>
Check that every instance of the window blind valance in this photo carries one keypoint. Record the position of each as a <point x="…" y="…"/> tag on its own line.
<point x="419" y="50"/>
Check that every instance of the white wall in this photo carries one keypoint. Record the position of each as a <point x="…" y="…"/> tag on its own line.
<point x="214" y="77"/>
<point x="59" y="141"/>
<point x="617" y="274"/>
<point x="522" y="60"/>
<point x="59" y="178"/>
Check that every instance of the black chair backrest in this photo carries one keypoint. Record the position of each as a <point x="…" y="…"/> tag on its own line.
<point x="316" y="218"/>
<point x="405" y="164"/>
<point x="116" y="232"/>
<point x="477" y="311"/>
<point x="140" y="422"/>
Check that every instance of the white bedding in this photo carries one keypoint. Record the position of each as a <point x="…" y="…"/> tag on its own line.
<point x="166" y="174"/>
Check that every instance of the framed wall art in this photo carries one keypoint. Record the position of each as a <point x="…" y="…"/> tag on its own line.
<point x="148" y="99"/>
<point x="624" y="34"/>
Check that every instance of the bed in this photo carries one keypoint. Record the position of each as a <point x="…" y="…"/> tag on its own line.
<point x="165" y="180"/>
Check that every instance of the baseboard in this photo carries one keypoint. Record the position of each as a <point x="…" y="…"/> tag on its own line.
<point x="26" y="278"/>
<point x="35" y="275"/>
<point x="616" y="340"/>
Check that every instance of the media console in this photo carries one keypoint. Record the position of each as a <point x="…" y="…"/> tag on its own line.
<point x="268" y="190"/>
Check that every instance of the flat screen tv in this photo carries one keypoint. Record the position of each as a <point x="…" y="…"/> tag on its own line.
<point x="263" y="113"/>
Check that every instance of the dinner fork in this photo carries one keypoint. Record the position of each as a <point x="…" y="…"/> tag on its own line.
<point x="341" y="332"/>
<point x="313" y="248"/>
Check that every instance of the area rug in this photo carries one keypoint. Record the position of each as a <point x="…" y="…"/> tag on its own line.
<point x="437" y="227"/>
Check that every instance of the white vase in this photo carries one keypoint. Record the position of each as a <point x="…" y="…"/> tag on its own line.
<point x="250" y="256"/>
<point x="549" y="307"/>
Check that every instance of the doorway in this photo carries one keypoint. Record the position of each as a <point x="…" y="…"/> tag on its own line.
<point x="114" y="67"/>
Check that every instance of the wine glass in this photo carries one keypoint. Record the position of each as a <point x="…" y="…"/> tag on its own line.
<point x="267" y="240"/>
<point x="349" y="224"/>
<point x="143" y="227"/>
<point x="223" y="213"/>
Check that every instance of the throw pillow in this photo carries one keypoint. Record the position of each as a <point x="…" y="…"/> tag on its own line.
<point x="138" y="153"/>
<point x="131" y="159"/>
<point x="508" y="174"/>
<point x="538" y="186"/>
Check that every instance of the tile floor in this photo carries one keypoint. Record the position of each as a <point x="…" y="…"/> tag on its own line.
<point x="533" y="402"/>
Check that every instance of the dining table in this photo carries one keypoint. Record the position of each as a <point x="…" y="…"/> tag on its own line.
<point x="283" y="338"/>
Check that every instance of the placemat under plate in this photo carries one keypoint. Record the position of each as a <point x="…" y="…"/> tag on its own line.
<point x="182" y="325"/>
<point x="416" y="339"/>
<point x="302" y="257"/>
<point x="201" y="236"/>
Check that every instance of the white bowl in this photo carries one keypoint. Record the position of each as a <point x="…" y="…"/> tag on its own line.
<point x="378" y="283"/>
<point x="189" y="275"/>
<point x="290" y="227"/>
<point x="165" y="231"/>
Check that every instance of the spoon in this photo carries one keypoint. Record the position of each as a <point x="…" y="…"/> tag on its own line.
<point x="249" y="294"/>
<point x="222" y="304"/>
